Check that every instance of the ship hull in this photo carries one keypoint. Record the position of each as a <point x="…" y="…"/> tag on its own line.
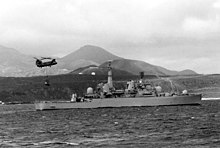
<point x="121" y="102"/>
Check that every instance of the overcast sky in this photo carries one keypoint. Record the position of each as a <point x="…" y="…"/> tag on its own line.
<point x="175" y="34"/>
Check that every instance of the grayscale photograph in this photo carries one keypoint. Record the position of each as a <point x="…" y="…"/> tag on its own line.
<point x="109" y="73"/>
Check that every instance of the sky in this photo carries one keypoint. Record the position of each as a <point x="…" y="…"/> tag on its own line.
<point x="175" y="34"/>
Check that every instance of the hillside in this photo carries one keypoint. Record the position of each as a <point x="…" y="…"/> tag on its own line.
<point x="86" y="55"/>
<point x="31" y="89"/>
<point x="135" y="66"/>
<point x="13" y="63"/>
<point x="16" y="64"/>
<point x="187" y="72"/>
<point x="100" y="71"/>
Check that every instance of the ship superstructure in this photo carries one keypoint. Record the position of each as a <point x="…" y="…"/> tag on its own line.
<point x="136" y="94"/>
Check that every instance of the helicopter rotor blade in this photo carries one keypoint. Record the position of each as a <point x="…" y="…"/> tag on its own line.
<point x="43" y="58"/>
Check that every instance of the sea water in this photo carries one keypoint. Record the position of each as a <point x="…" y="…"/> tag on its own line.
<point x="162" y="126"/>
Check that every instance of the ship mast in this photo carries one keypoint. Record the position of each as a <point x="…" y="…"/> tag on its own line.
<point x="141" y="76"/>
<point x="110" y="83"/>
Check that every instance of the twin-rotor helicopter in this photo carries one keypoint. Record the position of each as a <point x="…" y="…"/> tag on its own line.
<point x="42" y="63"/>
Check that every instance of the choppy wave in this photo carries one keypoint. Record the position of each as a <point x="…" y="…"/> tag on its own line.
<point x="164" y="126"/>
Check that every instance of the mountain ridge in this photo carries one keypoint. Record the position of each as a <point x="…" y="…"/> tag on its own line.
<point x="15" y="64"/>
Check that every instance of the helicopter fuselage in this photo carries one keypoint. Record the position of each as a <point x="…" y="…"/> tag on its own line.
<point x="41" y="64"/>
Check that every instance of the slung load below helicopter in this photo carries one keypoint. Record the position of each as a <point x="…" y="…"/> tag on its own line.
<point x="41" y="63"/>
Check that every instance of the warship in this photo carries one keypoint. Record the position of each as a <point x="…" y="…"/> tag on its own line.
<point x="137" y="93"/>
